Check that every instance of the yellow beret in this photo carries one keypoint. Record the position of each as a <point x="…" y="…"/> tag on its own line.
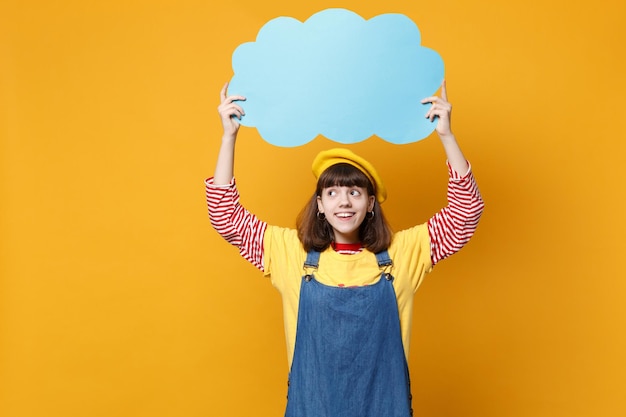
<point x="326" y="159"/>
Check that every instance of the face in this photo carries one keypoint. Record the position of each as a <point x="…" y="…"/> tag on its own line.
<point x="345" y="209"/>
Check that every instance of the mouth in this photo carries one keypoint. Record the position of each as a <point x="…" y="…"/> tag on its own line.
<point x="344" y="216"/>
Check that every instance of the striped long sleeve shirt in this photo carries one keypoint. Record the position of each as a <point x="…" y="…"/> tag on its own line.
<point x="449" y="229"/>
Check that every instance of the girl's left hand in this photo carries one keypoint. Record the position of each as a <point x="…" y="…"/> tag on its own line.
<point x="442" y="110"/>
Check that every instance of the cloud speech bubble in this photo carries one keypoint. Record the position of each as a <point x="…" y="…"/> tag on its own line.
<point x="337" y="75"/>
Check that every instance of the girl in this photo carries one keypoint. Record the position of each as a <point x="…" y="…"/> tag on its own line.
<point x="347" y="282"/>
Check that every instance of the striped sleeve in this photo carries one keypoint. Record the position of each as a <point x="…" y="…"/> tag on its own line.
<point x="234" y="223"/>
<point x="453" y="226"/>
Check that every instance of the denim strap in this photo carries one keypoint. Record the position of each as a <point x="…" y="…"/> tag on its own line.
<point x="312" y="259"/>
<point x="383" y="259"/>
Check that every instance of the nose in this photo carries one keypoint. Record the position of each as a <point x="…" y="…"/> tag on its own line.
<point x="344" y="199"/>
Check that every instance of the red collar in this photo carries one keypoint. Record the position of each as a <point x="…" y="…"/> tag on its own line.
<point x="353" y="247"/>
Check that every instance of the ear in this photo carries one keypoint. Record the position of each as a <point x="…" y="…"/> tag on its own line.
<point x="320" y="207"/>
<point x="372" y="200"/>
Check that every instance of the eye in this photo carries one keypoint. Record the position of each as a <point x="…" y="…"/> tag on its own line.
<point x="355" y="192"/>
<point x="331" y="193"/>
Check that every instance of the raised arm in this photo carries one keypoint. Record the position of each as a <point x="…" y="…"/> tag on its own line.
<point x="230" y="114"/>
<point x="228" y="217"/>
<point x="453" y="226"/>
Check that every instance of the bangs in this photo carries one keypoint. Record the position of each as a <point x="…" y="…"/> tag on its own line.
<point x="344" y="175"/>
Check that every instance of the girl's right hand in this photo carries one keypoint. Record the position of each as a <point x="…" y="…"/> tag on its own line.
<point x="230" y="112"/>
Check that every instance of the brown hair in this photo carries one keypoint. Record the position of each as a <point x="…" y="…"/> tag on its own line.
<point x="316" y="233"/>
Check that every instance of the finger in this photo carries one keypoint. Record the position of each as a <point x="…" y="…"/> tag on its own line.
<point x="228" y="106"/>
<point x="437" y="111"/>
<point x="432" y="116"/>
<point x="431" y="99"/>
<point x="223" y="91"/>
<point x="238" y="108"/>
<point x="231" y="99"/>
<point x="444" y="93"/>
<point x="234" y="110"/>
<point x="431" y="111"/>
<point x="231" y="109"/>
<point x="239" y="112"/>
<point x="235" y="115"/>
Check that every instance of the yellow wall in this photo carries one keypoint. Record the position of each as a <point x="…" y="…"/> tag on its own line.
<point x="118" y="299"/>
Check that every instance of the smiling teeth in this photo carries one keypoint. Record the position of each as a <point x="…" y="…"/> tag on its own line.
<point x="344" y="215"/>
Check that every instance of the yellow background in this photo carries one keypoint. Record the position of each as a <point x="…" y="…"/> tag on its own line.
<point x="118" y="299"/>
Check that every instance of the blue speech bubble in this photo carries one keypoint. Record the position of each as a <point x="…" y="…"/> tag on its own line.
<point x="337" y="75"/>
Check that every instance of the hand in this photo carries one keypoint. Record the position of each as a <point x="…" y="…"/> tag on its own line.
<point x="230" y="112"/>
<point x="442" y="110"/>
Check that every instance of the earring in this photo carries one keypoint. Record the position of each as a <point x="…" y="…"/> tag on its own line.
<point x="321" y="216"/>
<point x="370" y="215"/>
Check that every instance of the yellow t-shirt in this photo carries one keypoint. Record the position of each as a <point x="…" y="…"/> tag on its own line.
<point x="283" y="258"/>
